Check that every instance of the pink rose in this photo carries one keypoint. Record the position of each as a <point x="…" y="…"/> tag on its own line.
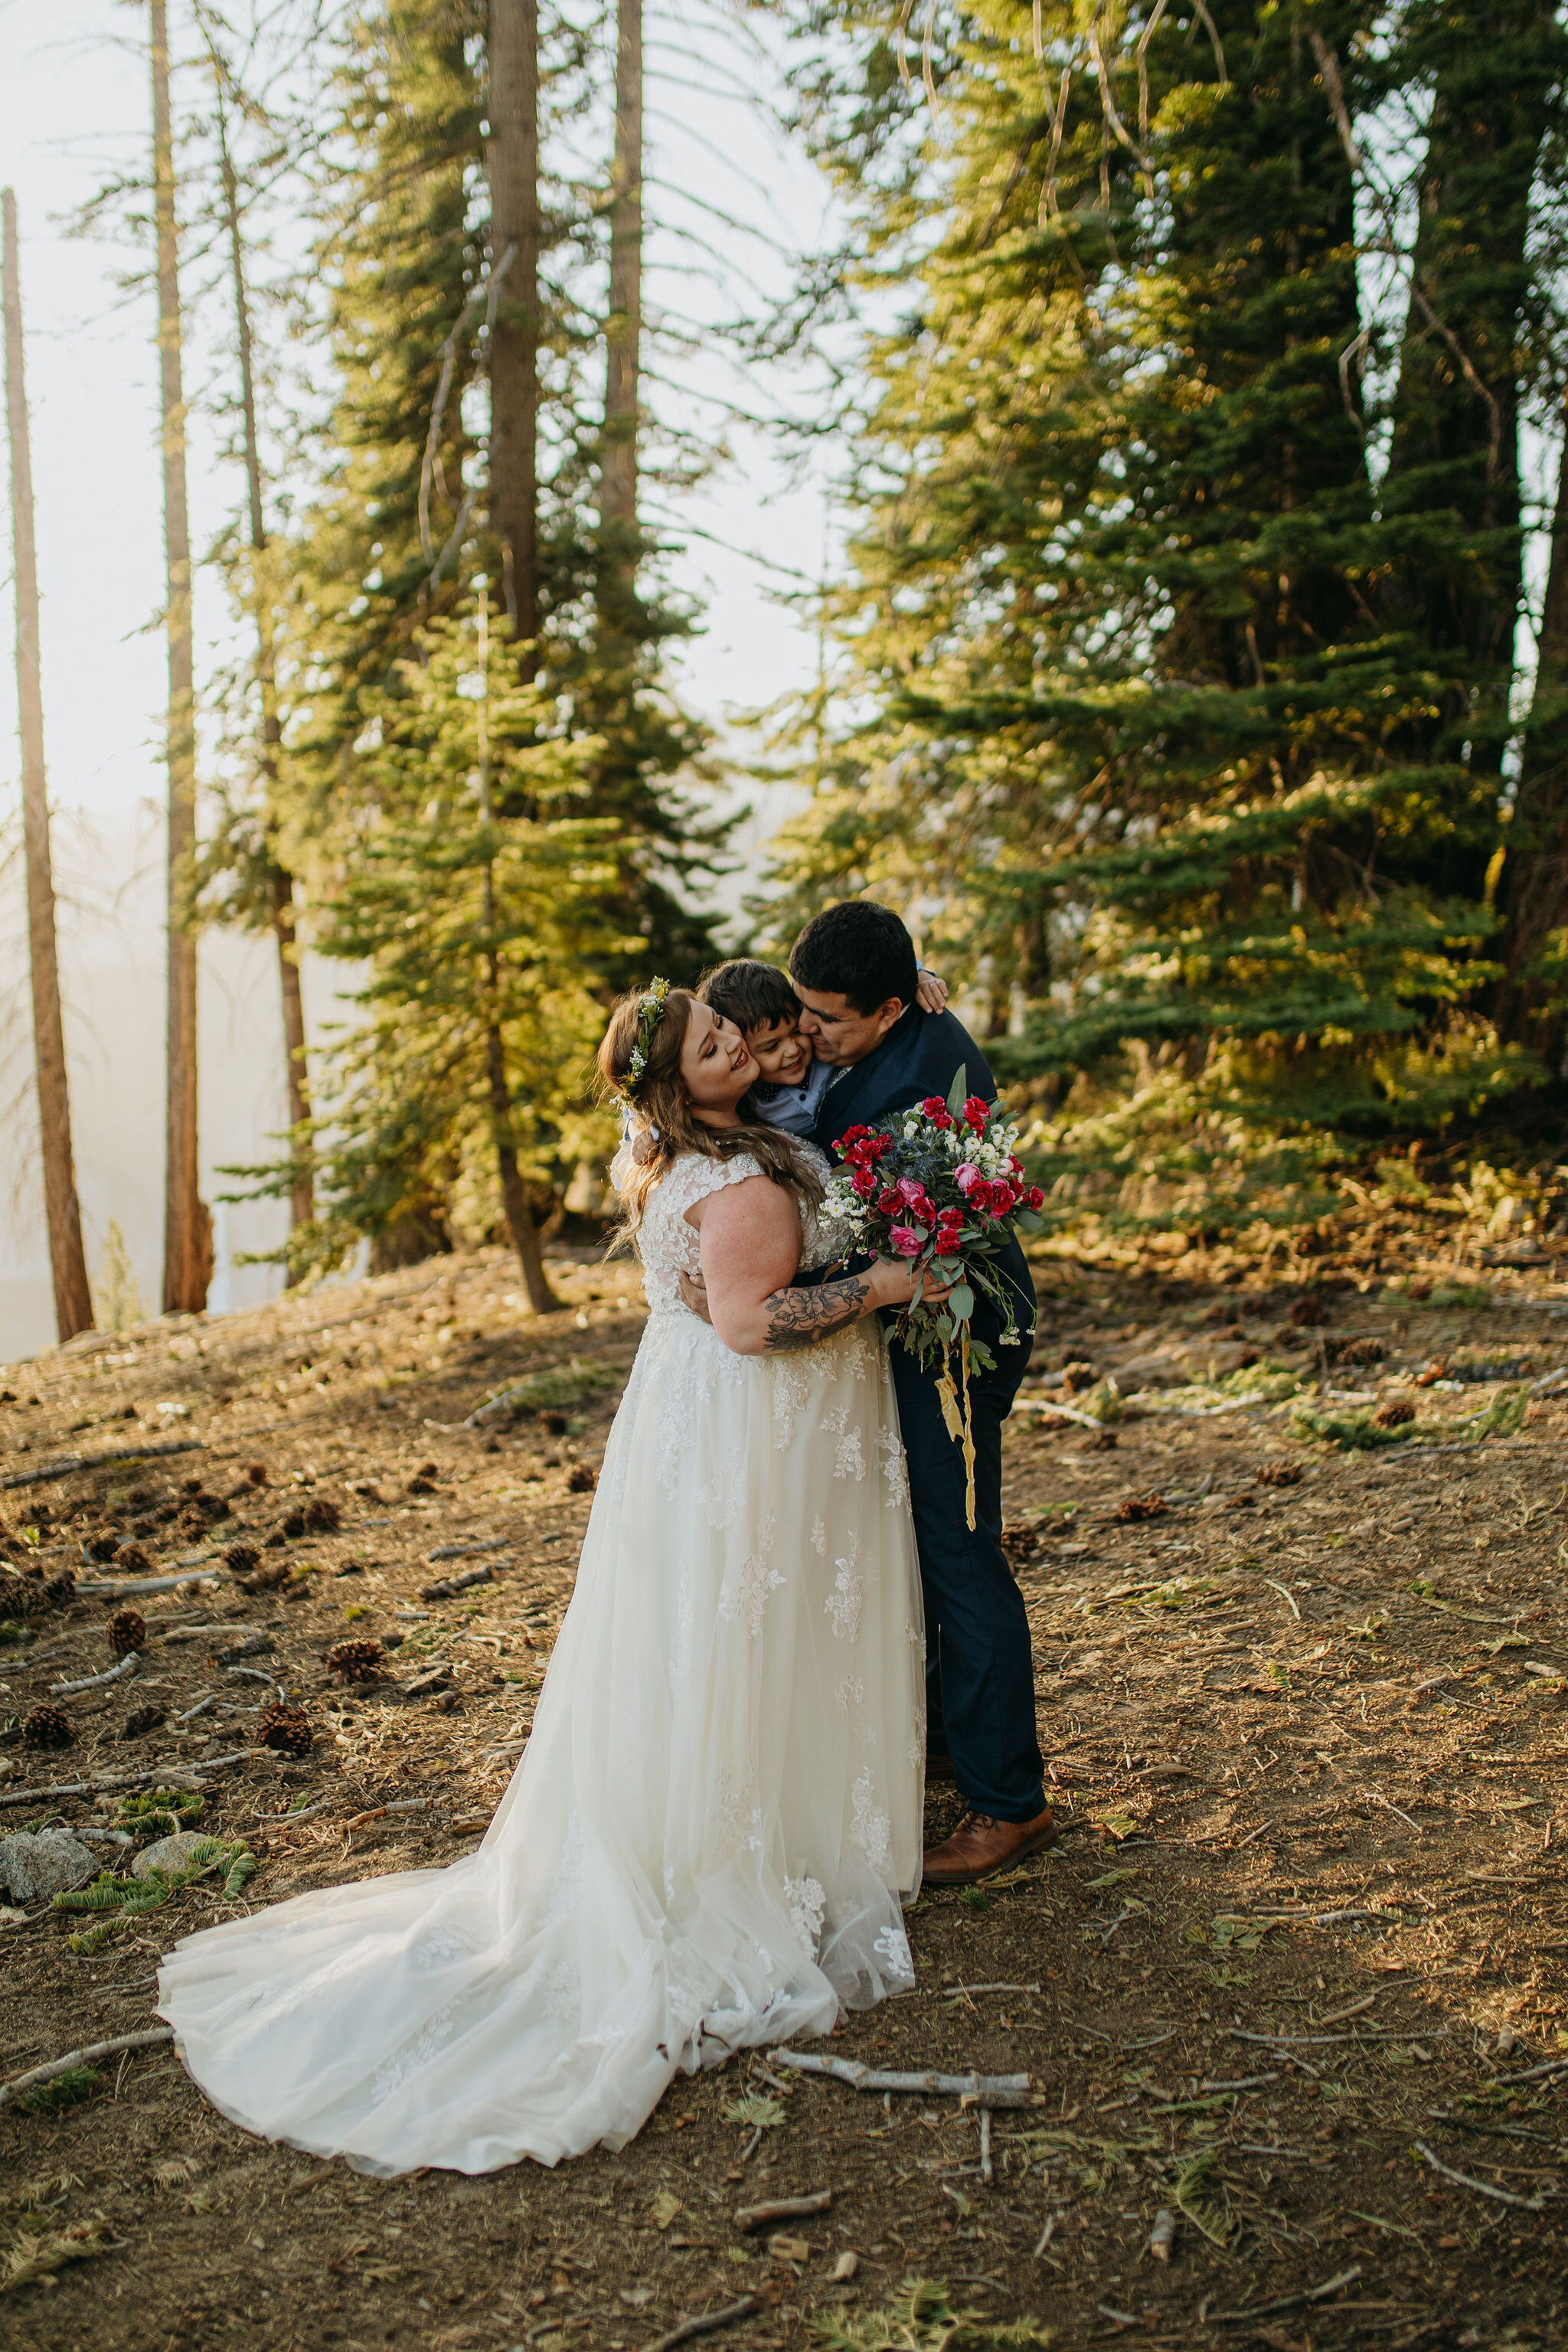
<point x="906" y="1240"/>
<point x="966" y="1175"/>
<point x="909" y="1188"/>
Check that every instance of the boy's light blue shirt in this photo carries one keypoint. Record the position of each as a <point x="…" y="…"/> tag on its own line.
<point x="794" y="1108"/>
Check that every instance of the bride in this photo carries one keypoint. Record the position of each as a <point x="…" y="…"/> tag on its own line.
<point x="704" y="1844"/>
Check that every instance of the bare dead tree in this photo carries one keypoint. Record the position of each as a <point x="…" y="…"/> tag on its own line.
<point x="187" y="1224"/>
<point x="67" y="1265"/>
<point x="280" y="881"/>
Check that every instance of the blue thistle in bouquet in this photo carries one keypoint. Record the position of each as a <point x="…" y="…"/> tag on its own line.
<point x="942" y="1186"/>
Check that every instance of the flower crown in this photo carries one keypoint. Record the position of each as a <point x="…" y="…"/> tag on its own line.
<point x="650" y="1015"/>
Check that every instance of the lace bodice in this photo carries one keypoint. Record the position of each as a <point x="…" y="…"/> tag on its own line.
<point x="668" y="1246"/>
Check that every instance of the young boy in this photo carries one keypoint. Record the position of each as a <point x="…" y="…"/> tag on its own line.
<point x="759" y="999"/>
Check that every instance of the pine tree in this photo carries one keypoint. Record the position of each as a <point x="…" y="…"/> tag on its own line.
<point x="470" y="895"/>
<point x="1188" y="715"/>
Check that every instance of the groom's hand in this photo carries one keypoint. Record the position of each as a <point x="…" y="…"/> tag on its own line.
<point x="694" y="1293"/>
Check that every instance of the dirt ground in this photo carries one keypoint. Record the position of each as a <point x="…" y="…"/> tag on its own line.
<point x="1293" y="1978"/>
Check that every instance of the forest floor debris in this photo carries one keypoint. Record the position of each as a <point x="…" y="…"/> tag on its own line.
<point x="1305" y="1727"/>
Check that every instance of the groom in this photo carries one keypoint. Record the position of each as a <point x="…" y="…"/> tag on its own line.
<point x="854" y="969"/>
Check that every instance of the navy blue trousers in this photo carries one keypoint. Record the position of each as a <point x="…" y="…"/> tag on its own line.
<point x="980" y="1672"/>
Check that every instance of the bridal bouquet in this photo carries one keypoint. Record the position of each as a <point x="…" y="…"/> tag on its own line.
<point x="942" y="1186"/>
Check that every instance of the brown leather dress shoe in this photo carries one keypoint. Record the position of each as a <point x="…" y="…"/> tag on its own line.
<point x="980" y="1847"/>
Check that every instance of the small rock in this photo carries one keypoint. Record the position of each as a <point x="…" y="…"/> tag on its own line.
<point x="167" y="1854"/>
<point x="50" y="1863"/>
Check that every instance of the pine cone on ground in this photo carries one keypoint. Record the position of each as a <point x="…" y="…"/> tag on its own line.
<point x="355" y="1662"/>
<point x="144" y="1718"/>
<point x="242" y="1557"/>
<point x="131" y="1561"/>
<point x="1307" y="1312"/>
<point x="60" y="1590"/>
<point x="286" y="1729"/>
<point x="322" y="1516"/>
<point x="1279" y="1474"/>
<point x="45" y="1726"/>
<point x="268" y="1578"/>
<point x="255" y="1472"/>
<point x="104" y="1546"/>
<point x="1143" y="1507"/>
<point x="22" y="1600"/>
<point x="420" y="1486"/>
<point x="1393" y="1416"/>
<point x="580" y="1479"/>
<point x="127" y="1631"/>
<point x="294" y="1525"/>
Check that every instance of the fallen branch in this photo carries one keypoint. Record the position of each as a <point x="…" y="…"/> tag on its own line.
<point x="82" y="2057"/>
<point x="993" y="2090"/>
<point x="1481" y="2187"/>
<point x="170" y="1775"/>
<point x="1534" y="2073"/>
<point x="1288" y="2302"/>
<point x="66" y="1465"/>
<point x="703" y="2325"/>
<point x="987" y="2171"/>
<point x="115" y="1588"/>
<point x="1313" y="2040"/>
<point x="446" y="1586"/>
<point x="128" y="1666"/>
<point x="783" y="2209"/>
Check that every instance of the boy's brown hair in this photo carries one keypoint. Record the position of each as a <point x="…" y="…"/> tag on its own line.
<point x="752" y="995"/>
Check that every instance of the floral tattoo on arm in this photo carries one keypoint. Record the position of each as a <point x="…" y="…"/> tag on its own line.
<point x="799" y="1319"/>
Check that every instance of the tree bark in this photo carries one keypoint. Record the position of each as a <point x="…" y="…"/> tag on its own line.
<point x="1532" y="895"/>
<point x="188" y="1226"/>
<point x="280" y="881"/>
<point x="513" y="1191"/>
<point x="512" y="157"/>
<point x="67" y="1265"/>
<point x="618" y="537"/>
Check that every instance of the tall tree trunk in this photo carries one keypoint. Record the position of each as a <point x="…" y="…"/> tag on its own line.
<point x="618" y="536"/>
<point x="1532" y="895"/>
<point x="73" y="1299"/>
<point x="513" y="1191"/>
<point x="280" y="881"/>
<point x="1457" y="408"/>
<point x="512" y="159"/>
<point x="513" y="164"/>
<point x="188" y="1226"/>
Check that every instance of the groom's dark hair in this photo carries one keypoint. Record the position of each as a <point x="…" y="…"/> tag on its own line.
<point x="858" y="950"/>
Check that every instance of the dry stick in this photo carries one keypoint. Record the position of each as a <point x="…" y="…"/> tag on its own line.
<point x="82" y="2057"/>
<point x="1534" y="2073"/>
<point x="987" y="2171"/>
<point x="1046" y="2234"/>
<point x="783" y="2209"/>
<point x="995" y="2090"/>
<point x="172" y="1775"/>
<point x="128" y="1666"/>
<point x="66" y="1465"/>
<point x="1481" y="2187"/>
<point x="114" y="1588"/>
<point x="1288" y="2302"/>
<point x="704" y="2326"/>
<point x="954" y="1989"/>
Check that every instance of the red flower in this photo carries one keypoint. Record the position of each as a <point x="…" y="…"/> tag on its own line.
<point x="976" y="1114"/>
<point x="888" y="1203"/>
<point x="863" y="1183"/>
<point x="932" y="1104"/>
<point x="1033" y="1198"/>
<point x="951" y="1217"/>
<point x="979" y="1198"/>
<point x="853" y="1135"/>
<point x="1003" y="1198"/>
<point x="949" y="1244"/>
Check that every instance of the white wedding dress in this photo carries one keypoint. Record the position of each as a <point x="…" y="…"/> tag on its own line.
<point x="703" y="1846"/>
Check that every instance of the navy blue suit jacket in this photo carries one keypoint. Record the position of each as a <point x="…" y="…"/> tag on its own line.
<point x="921" y="1055"/>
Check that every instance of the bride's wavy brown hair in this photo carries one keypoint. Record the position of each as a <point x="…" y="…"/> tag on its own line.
<point x="663" y="1102"/>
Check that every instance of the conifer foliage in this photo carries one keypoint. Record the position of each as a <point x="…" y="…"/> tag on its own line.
<point x="1180" y="643"/>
